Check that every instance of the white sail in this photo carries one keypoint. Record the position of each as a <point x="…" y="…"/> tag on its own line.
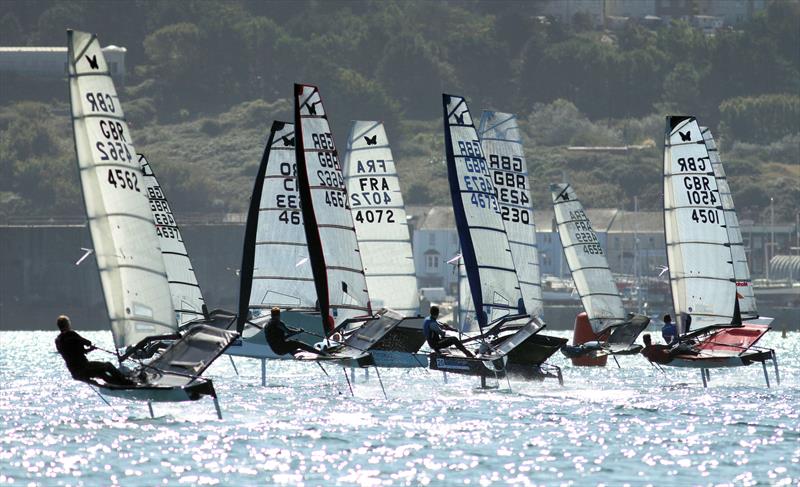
<point x="502" y="147"/>
<point x="380" y="219"/>
<point x="333" y="246"/>
<point x="741" y="269"/>
<point x="484" y="243"/>
<point x="698" y="254"/>
<point x="187" y="297"/>
<point x="586" y="260"/>
<point x="281" y="269"/>
<point x="132" y="271"/>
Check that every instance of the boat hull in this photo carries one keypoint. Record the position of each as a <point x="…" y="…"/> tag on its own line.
<point x="455" y="364"/>
<point x="189" y="392"/>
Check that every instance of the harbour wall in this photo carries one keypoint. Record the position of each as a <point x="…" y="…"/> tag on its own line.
<point x="39" y="278"/>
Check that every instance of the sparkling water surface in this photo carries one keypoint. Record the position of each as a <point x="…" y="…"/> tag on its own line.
<point x="634" y="425"/>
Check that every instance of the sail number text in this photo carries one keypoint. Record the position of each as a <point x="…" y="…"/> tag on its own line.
<point x="510" y="188"/>
<point x="584" y="234"/>
<point x="289" y="200"/>
<point x="699" y="190"/>
<point x="477" y="180"/>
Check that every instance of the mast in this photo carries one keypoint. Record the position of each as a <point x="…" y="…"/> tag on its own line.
<point x="698" y="254"/>
<point x="502" y="147"/>
<point x="586" y="260"/>
<point x="484" y="243"/>
<point x="377" y="205"/>
<point x="132" y="271"/>
<point x="330" y="233"/>
<point x="187" y="296"/>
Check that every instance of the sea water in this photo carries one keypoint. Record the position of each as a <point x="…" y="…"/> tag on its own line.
<point x="631" y="425"/>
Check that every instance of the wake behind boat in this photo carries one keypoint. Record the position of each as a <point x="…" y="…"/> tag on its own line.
<point x="133" y="273"/>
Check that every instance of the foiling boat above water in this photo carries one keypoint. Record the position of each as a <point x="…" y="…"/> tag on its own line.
<point x="504" y="324"/>
<point x="612" y="332"/>
<point x="702" y="260"/>
<point x="132" y="268"/>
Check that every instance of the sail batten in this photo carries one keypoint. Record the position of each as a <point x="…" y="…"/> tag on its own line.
<point x="700" y="262"/>
<point x="485" y="248"/>
<point x="503" y="149"/>
<point x="330" y="232"/>
<point x="132" y="270"/>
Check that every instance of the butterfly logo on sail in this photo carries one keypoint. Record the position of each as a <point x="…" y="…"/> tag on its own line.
<point x="459" y="118"/>
<point x="288" y="141"/>
<point x="371" y="140"/>
<point x="687" y="137"/>
<point x="93" y="61"/>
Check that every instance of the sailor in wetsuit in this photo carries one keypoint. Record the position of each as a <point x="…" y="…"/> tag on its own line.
<point x="668" y="332"/>
<point x="659" y="354"/>
<point x="278" y="337"/>
<point x="73" y="348"/>
<point x="435" y="336"/>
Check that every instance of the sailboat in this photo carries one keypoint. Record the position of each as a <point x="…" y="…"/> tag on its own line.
<point x="341" y="286"/>
<point x="379" y="214"/>
<point x="276" y="269"/>
<point x="700" y="260"/>
<point x="133" y="273"/>
<point x="741" y="269"/>
<point x="187" y="297"/>
<point x="494" y="286"/>
<point x="613" y="331"/>
<point x="501" y="141"/>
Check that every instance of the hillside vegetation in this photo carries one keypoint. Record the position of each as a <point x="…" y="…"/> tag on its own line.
<point x="208" y="78"/>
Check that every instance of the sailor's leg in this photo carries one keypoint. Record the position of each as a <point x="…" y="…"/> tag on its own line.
<point x="703" y="375"/>
<point x="766" y="375"/>
<point x="150" y="407"/>
<point x="263" y="372"/>
<point x="216" y="406"/>
<point x="775" y="363"/>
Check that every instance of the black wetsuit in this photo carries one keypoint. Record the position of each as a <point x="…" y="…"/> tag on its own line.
<point x="73" y="349"/>
<point x="437" y="339"/>
<point x="278" y="339"/>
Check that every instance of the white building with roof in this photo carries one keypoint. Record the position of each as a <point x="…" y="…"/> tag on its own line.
<point x="51" y="62"/>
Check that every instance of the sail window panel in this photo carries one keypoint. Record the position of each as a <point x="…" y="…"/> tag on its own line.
<point x="387" y="258"/>
<point x="396" y="292"/>
<point x="596" y="281"/>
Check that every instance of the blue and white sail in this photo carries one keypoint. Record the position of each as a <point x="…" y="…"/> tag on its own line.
<point x="484" y="243"/>
<point x="132" y="270"/>
<point x="699" y="257"/>
<point x="502" y="147"/>
<point x="380" y="219"/>
<point x="741" y="269"/>
<point x="276" y="269"/>
<point x="330" y="232"/>
<point x="587" y="261"/>
<point x="186" y="294"/>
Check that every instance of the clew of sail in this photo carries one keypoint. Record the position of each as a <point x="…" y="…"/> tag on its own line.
<point x="586" y="260"/>
<point x="484" y="244"/>
<point x="132" y="270"/>
<point x="276" y="270"/>
<point x="744" y="285"/>
<point x="330" y="233"/>
<point x="502" y="147"/>
<point x="380" y="219"/>
<point x="186" y="294"/>
<point x="698" y="253"/>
